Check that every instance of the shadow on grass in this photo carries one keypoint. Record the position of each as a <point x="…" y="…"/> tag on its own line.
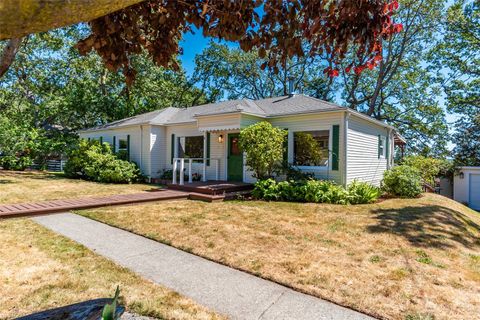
<point x="428" y="226"/>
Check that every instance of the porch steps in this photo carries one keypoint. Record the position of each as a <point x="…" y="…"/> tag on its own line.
<point x="212" y="187"/>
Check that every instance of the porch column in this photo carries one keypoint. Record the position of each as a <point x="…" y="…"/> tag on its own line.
<point x="190" y="170"/>
<point x="182" y="169"/>
<point x="204" y="172"/>
<point x="174" y="171"/>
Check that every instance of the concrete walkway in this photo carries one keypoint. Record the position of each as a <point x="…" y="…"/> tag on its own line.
<point x="228" y="291"/>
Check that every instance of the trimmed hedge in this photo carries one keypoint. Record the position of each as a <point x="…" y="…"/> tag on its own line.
<point x="318" y="191"/>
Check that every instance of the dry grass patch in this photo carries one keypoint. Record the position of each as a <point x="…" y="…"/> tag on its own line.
<point x="398" y="259"/>
<point x="30" y="186"/>
<point x="41" y="270"/>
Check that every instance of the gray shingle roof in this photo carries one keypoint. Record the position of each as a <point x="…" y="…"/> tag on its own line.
<point x="277" y="106"/>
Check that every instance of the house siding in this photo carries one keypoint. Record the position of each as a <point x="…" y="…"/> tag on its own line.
<point x="158" y="150"/>
<point x="363" y="162"/>
<point x="248" y="120"/>
<point x="320" y="121"/>
<point x="222" y="121"/>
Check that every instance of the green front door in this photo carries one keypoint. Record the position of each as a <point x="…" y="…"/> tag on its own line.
<point x="234" y="159"/>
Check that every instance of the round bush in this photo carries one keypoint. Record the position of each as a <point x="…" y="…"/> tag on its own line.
<point x="402" y="181"/>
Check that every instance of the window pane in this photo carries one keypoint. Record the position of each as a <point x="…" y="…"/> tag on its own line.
<point x="122" y="144"/>
<point x="311" y="148"/>
<point x="190" y="147"/>
<point x="234" y="147"/>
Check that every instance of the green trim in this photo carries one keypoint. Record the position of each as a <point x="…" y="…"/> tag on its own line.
<point x="335" y="146"/>
<point x="128" y="147"/>
<point x="285" y="147"/>
<point x="208" y="148"/>
<point x="114" y="148"/>
<point x="172" y="152"/>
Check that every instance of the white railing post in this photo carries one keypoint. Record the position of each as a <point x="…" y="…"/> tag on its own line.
<point x="190" y="170"/>
<point x="182" y="168"/>
<point x="174" y="170"/>
<point x="216" y="169"/>
<point x="204" y="173"/>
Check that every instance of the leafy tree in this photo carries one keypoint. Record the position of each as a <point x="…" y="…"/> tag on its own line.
<point x="222" y="72"/>
<point x="458" y="62"/>
<point x="429" y="168"/>
<point x="467" y="142"/>
<point x="402" y="90"/>
<point x="263" y="146"/>
<point x="51" y="90"/>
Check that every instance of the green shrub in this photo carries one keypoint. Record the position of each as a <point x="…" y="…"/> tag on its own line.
<point x="429" y="168"/>
<point x="15" y="163"/>
<point x="93" y="161"/>
<point x="402" y="181"/>
<point x="317" y="191"/>
<point x="264" y="147"/>
<point x="362" y="192"/>
<point x="266" y="189"/>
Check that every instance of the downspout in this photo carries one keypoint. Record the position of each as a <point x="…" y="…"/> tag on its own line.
<point x="345" y="149"/>
<point x="391" y="148"/>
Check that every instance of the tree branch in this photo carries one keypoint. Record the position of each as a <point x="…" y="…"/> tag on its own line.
<point x="8" y="55"/>
<point x="19" y="18"/>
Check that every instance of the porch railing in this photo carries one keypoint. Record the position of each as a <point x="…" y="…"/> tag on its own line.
<point x="179" y="165"/>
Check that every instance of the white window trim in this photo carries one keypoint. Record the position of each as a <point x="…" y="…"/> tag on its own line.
<point x="291" y="151"/>
<point x="383" y="143"/>
<point x="204" y="137"/>
<point x="117" y="142"/>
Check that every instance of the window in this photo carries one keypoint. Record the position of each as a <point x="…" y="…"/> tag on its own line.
<point x="381" y="147"/>
<point x="190" y="147"/>
<point x="122" y="150"/>
<point x="311" y="148"/>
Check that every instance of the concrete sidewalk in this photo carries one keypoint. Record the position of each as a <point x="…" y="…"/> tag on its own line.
<point x="228" y="291"/>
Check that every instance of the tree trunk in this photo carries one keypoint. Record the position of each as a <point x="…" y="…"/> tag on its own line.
<point x="21" y="17"/>
<point x="8" y="55"/>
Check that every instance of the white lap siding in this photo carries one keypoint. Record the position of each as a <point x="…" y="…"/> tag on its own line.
<point x="158" y="150"/>
<point x="363" y="162"/>
<point x="312" y="122"/>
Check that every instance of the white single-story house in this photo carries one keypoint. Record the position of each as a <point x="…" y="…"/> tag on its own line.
<point x="466" y="186"/>
<point x="351" y="145"/>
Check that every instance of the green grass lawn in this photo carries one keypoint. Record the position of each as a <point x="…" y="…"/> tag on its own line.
<point x="397" y="259"/>
<point x="40" y="270"/>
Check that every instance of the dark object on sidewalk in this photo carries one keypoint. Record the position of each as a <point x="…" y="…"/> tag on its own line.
<point x="87" y="310"/>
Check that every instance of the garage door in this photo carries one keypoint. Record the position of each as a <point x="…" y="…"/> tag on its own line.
<point x="474" y="202"/>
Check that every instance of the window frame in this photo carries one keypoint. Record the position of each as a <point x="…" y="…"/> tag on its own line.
<point x="383" y="147"/>
<point x="310" y="168"/>
<point x="120" y="138"/>
<point x="178" y="143"/>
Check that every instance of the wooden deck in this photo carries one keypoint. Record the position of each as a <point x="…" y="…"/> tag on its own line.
<point x="215" y="188"/>
<point x="47" y="207"/>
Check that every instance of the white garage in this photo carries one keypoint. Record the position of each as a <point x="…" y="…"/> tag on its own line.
<point x="466" y="186"/>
